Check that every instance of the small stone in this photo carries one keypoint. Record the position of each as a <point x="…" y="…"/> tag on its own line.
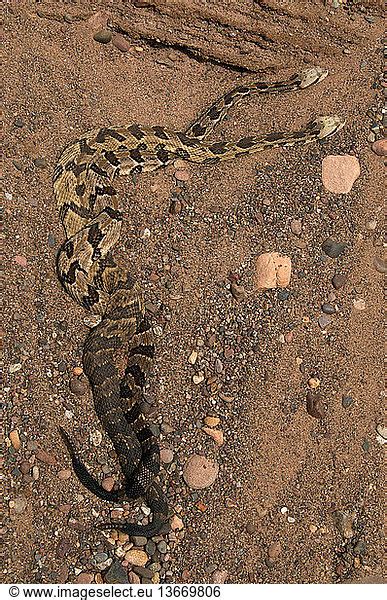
<point x="139" y="540"/>
<point x="78" y="387"/>
<point x="328" y="309"/>
<point x="251" y="528"/>
<point x="18" y="122"/>
<point x="77" y="371"/>
<point x="45" y="457"/>
<point x="120" y="42"/>
<point x="41" y="163"/>
<point x="324" y="321"/>
<point x="20" y="260"/>
<point x="339" y="172"/>
<point x="359" y="304"/>
<point x="139" y="558"/>
<point x="212" y="421"/>
<point x="219" y="577"/>
<point x="296" y="226"/>
<point x="346" y="401"/>
<point x="116" y="573"/>
<point x="182" y="175"/>
<point x="162" y="547"/>
<point x="108" y="483"/>
<point x="274" y="550"/>
<point x="333" y="249"/>
<point x="133" y="578"/>
<point x="193" y="357"/>
<point x="18" y="505"/>
<point x="339" y="280"/>
<point x="51" y="241"/>
<point x="313" y="528"/>
<point x="343" y="521"/>
<point x="198" y="378"/>
<point x="380" y="147"/>
<point x="371" y="225"/>
<point x="15" y="368"/>
<point x="143" y="571"/>
<point x="315" y="406"/>
<point x="85" y="578"/>
<point x="314" y="383"/>
<point x="15" y="439"/>
<point x="215" y="434"/>
<point x="366" y="445"/>
<point x="103" y="36"/>
<point x="272" y="270"/>
<point x="218" y="366"/>
<point x="166" y="455"/>
<point x="150" y="548"/>
<point x="176" y="523"/>
<point x="25" y="467"/>
<point x="238" y="291"/>
<point x="380" y="264"/>
<point x="200" y="472"/>
<point x="64" y="474"/>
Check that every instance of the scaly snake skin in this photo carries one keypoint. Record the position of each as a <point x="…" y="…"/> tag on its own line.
<point x="88" y="204"/>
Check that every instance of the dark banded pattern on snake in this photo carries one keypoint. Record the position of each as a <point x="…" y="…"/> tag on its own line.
<point x="89" y="211"/>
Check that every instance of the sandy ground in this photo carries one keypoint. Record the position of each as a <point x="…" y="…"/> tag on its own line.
<point x="297" y="499"/>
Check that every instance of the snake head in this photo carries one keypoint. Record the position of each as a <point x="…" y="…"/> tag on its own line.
<point x="311" y="76"/>
<point x="329" y="125"/>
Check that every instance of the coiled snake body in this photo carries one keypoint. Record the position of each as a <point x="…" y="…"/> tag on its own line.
<point x="88" y="204"/>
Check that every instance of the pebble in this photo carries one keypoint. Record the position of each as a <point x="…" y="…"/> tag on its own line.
<point x="215" y="434"/>
<point x="18" y="122"/>
<point x="133" y="578"/>
<point x="15" y="439"/>
<point x="108" y="483"/>
<point x="371" y="225"/>
<point x="339" y="172"/>
<point x="20" y="260"/>
<point x="346" y="401"/>
<point x="315" y="406"/>
<point x="339" y="280"/>
<point x="85" y="578"/>
<point x="162" y="547"/>
<point x="176" y="523"/>
<point x="25" y="467"/>
<point x="103" y="36"/>
<point x="333" y="249"/>
<point x="343" y="521"/>
<point x="139" y="558"/>
<point x="143" y="571"/>
<point x="51" y="240"/>
<point x="166" y="455"/>
<point x="238" y="291"/>
<point x="64" y="474"/>
<point x="182" y="175"/>
<point x="272" y="270"/>
<point x="296" y="226"/>
<point x="150" y="548"/>
<point x="77" y="371"/>
<point x="324" y="321"/>
<point x="359" y="304"/>
<point x="328" y="309"/>
<point x="78" y="387"/>
<point x="41" y="163"/>
<point x="198" y="378"/>
<point x="200" y="472"/>
<point x="380" y="147"/>
<point x="139" y="540"/>
<point x="45" y="457"/>
<point x="314" y="383"/>
<point x="274" y="550"/>
<point x="18" y="504"/>
<point x="219" y="576"/>
<point x="212" y="421"/>
<point x="251" y="528"/>
<point x="116" y="573"/>
<point x="120" y="42"/>
<point x="380" y="264"/>
<point x="366" y="445"/>
<point x="193" y="357"/>
<point x="15" y="368"/>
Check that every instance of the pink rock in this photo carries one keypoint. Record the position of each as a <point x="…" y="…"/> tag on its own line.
<point x="380" y="147"/>
<point x="20" y="260"/>
<point x="182" y="175"/>
<point x="216" y="434"/>
<point x="166" y="455"/>
<point x="108" y="484"/>
<point x="272" y="270"/>
<point x="176" y="523"/>
<point x="200" y="472"/>
<point x="339" y="172"/>
<point x="120" y="42"/>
